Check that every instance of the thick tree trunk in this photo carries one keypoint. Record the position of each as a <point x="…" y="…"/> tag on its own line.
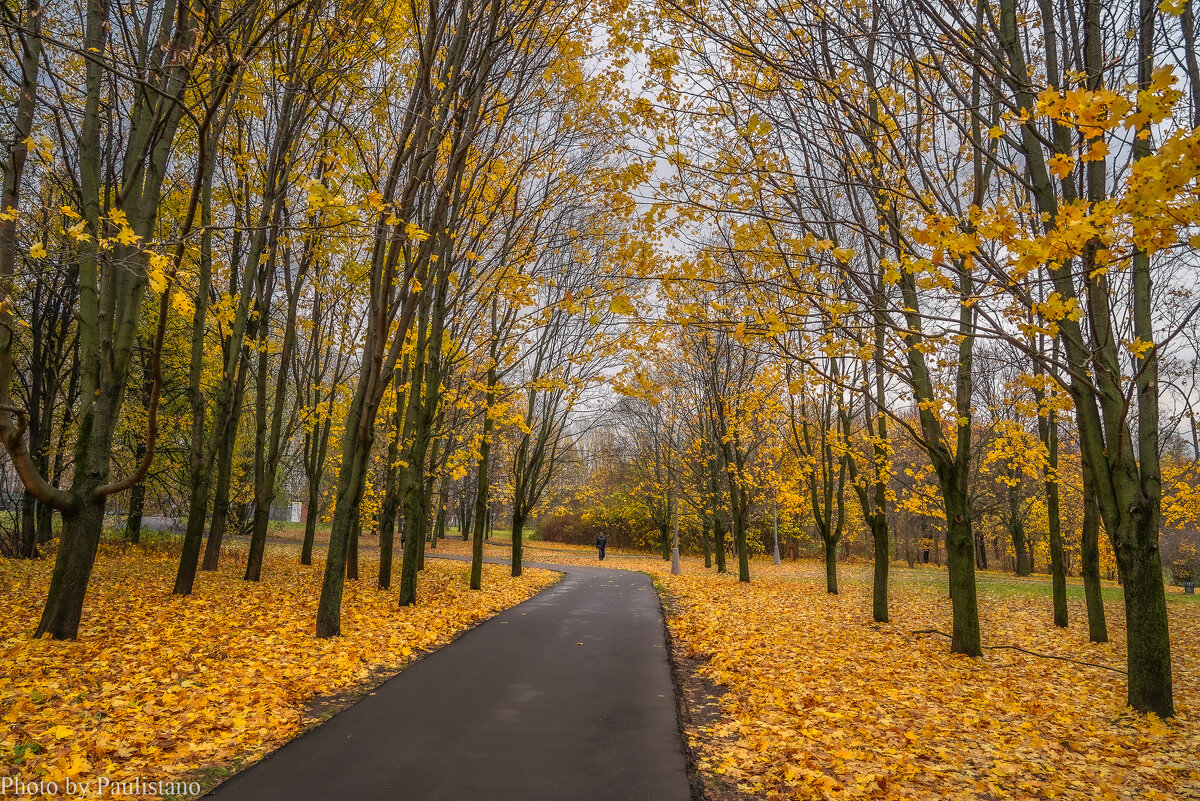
<point x="705" y="543"/>
<point x="1148" y="644"/>
<point x="355" y="451"/>
<point x="960" y="559"/>
<point x="830" y="564"/>
<point x="193" y="535"/>
<point x="1090" y="563"/>
<point x="518" y="527"/>
<point x="258" y="540"/>
<point x="82" y="526"/>
<point x="879" y="584"/>
<point x="264" y="489"/>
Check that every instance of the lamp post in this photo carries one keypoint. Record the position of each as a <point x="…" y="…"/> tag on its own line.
<point x="675" y="569"/>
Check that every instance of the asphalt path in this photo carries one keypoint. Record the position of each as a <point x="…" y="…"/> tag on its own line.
<point x="567" y="696"/>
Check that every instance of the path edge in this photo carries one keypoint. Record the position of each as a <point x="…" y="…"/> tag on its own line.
<point x="683" y="712"/>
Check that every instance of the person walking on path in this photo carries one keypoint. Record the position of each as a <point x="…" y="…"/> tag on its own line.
<point x="601" y="541"/>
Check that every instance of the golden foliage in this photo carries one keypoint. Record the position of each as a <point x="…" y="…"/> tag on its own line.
<point x="158" y="685"/>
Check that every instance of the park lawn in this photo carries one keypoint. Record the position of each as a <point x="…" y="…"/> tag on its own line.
<point x="813" y="700"/>
<point x="166" y="688"/>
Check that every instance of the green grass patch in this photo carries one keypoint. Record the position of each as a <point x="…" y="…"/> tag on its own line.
<point x="995" y="584"/>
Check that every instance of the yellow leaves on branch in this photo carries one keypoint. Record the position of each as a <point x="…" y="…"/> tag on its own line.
<point x="415" y="233"/>
<point x="158" y="685"/>
<point x="156" y="272"/>
<point x="621" y="304"/>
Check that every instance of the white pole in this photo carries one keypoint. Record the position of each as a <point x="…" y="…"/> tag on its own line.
<point x="675" y="568"/>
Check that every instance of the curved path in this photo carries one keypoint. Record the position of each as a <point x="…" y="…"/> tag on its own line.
<point x="567" y="696"/>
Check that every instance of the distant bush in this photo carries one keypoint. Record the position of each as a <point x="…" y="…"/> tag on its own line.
<point x="582" y="529"/>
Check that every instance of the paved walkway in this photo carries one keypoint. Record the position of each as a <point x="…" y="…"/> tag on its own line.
<point x="566" y="697"/>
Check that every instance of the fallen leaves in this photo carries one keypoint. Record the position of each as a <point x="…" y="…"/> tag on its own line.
<point x="820" y="702"/>
<point x="159" y="685"/>
<point x="816" y="701"/>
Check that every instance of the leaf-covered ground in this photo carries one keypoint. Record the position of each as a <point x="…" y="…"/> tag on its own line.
<point x="816" y="701"/>
<point x="158" y="686"/>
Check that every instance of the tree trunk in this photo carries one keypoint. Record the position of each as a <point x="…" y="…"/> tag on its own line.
<point x="310" y="524"/>
<point x="1048" y="431"/>
<point x="264" y="489"/>
<point x="352" y="556"/>
<point x="739" y="532"/>
<point x="28" y="545"/>
<point x="481" y="514"/>
<point x="518" y="527"/>
<point x="960" y="559"/>
<point x="220" y="505"/>
<point x="314" y="471"/>
<point x="719" y="538"/>
<point x="82" y="526"/>
<point x="830" y="564"/>
<point x="258" y="539"/>
<point x="1016" y="529"/>
<point x="355" y="449"/>
<point x="705" y="533"/>
<point x="1148" y="647"/>
<point x="1058" y="571"/>
<point x="465" y="508"/>
<point x="1090" y="562"/>
<point x="224" y="467"/>
<point x="879" y="586"/>
<point x="391" y="502"/>
<point x="137" y="503"/>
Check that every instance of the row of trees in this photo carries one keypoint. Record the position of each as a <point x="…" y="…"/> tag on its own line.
<point x="902" y="261"/>
<point x="967" y="228"/>
<point x="358" y="240"/>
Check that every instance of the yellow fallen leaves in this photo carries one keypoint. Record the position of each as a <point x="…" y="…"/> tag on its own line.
<point x="821" y="703"/>
<point x="158" y="685"/>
